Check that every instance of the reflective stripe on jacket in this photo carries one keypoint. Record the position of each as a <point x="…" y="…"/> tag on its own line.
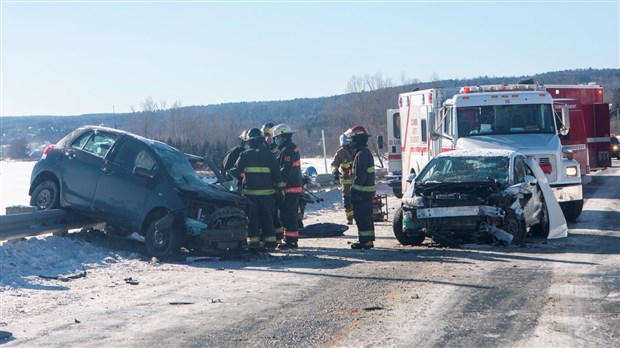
<point x="260" y="170"/>
<point x="343" y="161"/>
<point x="363" y="171"/>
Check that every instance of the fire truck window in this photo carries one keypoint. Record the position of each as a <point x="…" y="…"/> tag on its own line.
<point x="447" y="122"/>
<point x="423" y="129"/>
<point x="396" y="125"/>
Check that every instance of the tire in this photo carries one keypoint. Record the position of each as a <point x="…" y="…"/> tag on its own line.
<point x="46" y="196"/>
<point x="542" y="228"/>
<point x="162" y="243"/>
<point x="406" y="237"/>
<point x="398" y="191"/>
<point x="515" y="226"/>
<point x="572" y="209"/>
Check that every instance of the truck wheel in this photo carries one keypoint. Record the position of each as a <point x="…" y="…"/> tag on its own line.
<point x="398" y="191"/>
<point x="406" y="237"/>
<point x="572" y="209"/>
<point x="46" y="196"/>
<point x="542" y="228"/>
<point x="515" y="226"/>
<point x="162" y="239"/>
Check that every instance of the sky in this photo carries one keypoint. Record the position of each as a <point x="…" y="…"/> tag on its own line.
<point x="82" y="57"/>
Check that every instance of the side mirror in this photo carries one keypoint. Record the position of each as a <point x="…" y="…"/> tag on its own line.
<point x="380" y="141"/>
<point x="565" y="120"/>
<point x="410" y="177"/>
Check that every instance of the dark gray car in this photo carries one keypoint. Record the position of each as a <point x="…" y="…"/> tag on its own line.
<point x="139" y="185"/>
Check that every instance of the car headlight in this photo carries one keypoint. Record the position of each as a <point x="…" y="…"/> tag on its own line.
<point x="571" y="171"/>
<point x="417" y="202"/>
<point x="614" y="148"/>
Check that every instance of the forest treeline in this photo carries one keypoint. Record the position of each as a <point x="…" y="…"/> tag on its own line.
<point x="212" y="129"/>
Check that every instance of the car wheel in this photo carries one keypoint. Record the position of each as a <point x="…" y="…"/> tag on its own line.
<point x="542" y="229"/>
<point x="398" y="191"/>
<point x="46" y="196"/>
<point x="515" y="226"/>
<point x="572" y="209"/>
<point x="162" y="239"/>
<point x="406" y="237"/>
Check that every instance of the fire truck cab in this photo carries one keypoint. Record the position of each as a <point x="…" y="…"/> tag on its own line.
<point x="516" y="117"/>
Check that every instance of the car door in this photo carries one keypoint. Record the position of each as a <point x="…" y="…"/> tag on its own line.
<point x="121" y="195"/>
<point x="81" y="166"/>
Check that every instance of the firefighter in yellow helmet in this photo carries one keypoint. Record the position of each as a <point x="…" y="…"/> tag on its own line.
<point x="341" y="169"/>
<point x="363" y="188"/>
<point x="290" y="167"/>
<point x="267" y="130"/>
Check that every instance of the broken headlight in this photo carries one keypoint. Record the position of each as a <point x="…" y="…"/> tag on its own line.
<point x="417" y="202"/>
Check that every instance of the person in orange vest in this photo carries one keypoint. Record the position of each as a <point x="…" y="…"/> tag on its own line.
<point x="261" y="180"/>
<point x="363" y="188"/>
<point x="290" y="168"/>
<point x="341" y="169"/>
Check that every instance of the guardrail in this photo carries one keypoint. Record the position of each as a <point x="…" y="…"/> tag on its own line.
<point x="15" y="226"/>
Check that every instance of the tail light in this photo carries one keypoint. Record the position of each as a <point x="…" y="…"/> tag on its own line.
<point x="47" y="150"/>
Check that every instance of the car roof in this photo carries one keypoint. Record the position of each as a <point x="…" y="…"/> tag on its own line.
<point x="480" y="153"/>
<point x="147" y="141"/>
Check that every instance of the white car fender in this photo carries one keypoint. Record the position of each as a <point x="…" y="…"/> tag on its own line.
<point x="557" y="222"/>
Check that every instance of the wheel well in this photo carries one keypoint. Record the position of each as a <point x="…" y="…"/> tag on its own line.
<point x="42" y="177"/>
<point x="154" y="213"/>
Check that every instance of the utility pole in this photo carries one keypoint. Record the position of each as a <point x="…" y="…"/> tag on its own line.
<point x="324" y="152"/>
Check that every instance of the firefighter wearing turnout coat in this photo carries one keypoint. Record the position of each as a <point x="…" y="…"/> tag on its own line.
<point x="363" y="188"/>
<point x="341" y="169"/>
<point x="267" y="130"/>
<point x="290" y="167"/>
<point x="261" y="180"/>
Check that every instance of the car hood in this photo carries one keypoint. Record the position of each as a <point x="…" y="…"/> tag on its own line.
<point x="209" y="193"/>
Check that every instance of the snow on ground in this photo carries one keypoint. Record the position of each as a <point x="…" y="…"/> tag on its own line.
<point x="22" y="262"/>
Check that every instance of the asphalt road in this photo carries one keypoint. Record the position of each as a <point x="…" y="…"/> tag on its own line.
<point x="560" y="293"/>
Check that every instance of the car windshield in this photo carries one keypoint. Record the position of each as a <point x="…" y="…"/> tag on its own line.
<point x="177" y="165"/>
<point x="505" y="119"/>
<point x="465" y="169"/>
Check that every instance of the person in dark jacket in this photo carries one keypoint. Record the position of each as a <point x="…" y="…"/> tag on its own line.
<point x="341" y="169"/>
<point x="290" y="167"/>
<point x="267" y="130"/>
<point x="231" y="157"/>
<point x="363" y="188"/>
<point x="261" y="180"/>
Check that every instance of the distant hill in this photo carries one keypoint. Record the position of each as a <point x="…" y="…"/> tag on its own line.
<point x="221" y="124"/>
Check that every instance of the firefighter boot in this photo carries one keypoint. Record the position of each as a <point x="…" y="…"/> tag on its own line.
<point x="287" y="246"/>
<point x="363" y="245"/>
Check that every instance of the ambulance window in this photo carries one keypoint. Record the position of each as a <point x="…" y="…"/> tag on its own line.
<point x="396" y="125"/>
<point x="447" y="122"/>
<point x="423" y="129"/>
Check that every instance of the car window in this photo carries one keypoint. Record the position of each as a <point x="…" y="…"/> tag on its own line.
<point x="99" y="143"/>
<point x="81" y="140"/>
<point x="145" y="160"/>
<point x="465" y="169"/>
<point x="132" y="154"/>
<point x="519" y="170"/>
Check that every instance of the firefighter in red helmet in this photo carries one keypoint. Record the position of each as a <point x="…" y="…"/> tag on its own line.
<point x="363" y="187"/>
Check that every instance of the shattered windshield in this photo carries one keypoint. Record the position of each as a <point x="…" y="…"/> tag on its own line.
<point x="177" y="165"/>
<point x="505" y="119"/>
<point x="465" y="169"/>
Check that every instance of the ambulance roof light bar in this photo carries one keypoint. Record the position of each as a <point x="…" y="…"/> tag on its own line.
<point x="500" y="88"/>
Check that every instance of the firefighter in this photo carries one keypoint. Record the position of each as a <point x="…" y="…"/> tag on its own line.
<point x="363" y="188"/>
<point x="231" y="157"/>
<point x="341" y="169"/>
<point x="261" y="179"/>
<point x="267" y="133"/>
<point x="267" y="130"/>
<point x="290" y="167"/>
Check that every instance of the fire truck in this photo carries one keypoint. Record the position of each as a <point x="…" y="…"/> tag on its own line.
<point x="589" y="133"/>
<point x="519" y="117"/>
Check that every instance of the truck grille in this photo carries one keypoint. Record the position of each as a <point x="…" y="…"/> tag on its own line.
<point x="548" y="159"/>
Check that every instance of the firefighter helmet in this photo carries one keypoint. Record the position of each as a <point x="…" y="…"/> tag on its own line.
<point x="254" y="133"/>
<point x="267" y="128"/>
<point x="281" y="129"/>
<point x="244" y="135"/>
<point x="356" y="130"/>
<point x="344" y="140"/>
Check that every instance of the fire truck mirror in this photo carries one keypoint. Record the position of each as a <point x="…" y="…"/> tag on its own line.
<point x="380" y="141"/>
<point x="566" y="117"/>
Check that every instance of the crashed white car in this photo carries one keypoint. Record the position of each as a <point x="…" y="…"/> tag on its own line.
<point x="479" y="196"/>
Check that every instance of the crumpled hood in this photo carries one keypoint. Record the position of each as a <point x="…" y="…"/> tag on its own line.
<point x="206" y="192"/>
<point x="527" y="144"/>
